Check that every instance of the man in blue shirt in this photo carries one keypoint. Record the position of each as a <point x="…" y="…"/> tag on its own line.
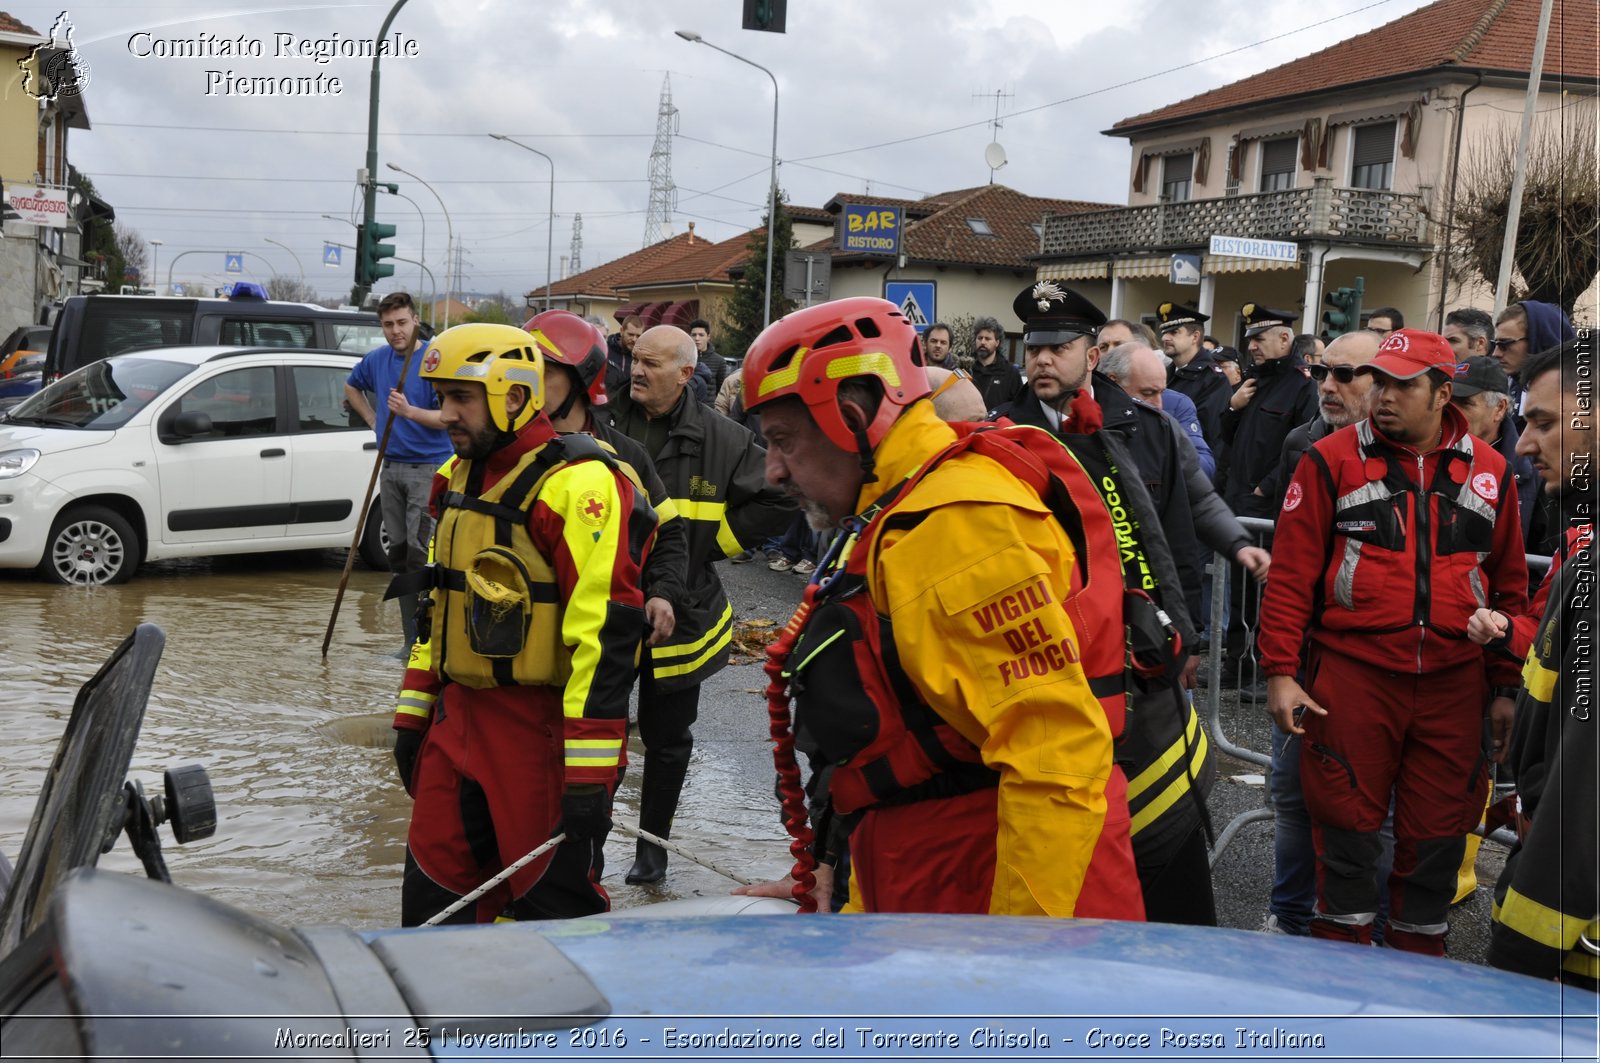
<point x="417" y="445"/>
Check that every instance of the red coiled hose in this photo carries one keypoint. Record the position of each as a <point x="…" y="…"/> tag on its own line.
<point x="790" y="790"/>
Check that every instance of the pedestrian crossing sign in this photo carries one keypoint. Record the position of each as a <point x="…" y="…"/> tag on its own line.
<point x="914" y="299"/>
<point x="330" y="255"/>
<point x="233" y="262"/>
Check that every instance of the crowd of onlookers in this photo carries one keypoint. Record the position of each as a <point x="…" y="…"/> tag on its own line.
<point x="1389" y="646"/>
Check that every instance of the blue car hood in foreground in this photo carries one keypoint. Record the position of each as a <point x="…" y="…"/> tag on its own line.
<point x="123" y="966"/>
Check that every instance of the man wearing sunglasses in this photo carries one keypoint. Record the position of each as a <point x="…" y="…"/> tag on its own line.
<point x="1344" y="396"/>
<point x="1393" y="531"/>
<point x="1522" y="330"/>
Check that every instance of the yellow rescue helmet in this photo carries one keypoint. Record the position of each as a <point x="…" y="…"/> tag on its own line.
<point x="499" y="357"/>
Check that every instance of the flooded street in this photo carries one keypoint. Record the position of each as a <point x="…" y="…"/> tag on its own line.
<point x="311" y="820"/>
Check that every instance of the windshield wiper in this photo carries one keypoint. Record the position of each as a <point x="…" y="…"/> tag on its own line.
<point x="48" y="422"/>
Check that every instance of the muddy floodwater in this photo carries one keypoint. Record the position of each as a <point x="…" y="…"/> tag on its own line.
<point x="311" y="820"/>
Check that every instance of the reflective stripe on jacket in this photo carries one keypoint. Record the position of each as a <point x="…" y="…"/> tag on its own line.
<point x="715" y="475"/>
<point x="1383" y="554"/>
<point x="1547" y="902"/>
<point x="593" y="529"/>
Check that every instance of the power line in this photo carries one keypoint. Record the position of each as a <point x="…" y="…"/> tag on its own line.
<point x="346" y="180"/>
<point x="802" y="165"/>
<point x="1096" y="92"/>
<point x="408" y="134"/>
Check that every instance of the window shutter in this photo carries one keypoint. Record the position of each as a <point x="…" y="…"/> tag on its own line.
<point x="1374" y="145"/>
<point x="1277" y="156"/>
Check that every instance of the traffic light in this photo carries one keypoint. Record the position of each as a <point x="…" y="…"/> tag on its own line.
<point x="370" y="267"/>
<point x="766" y="15"/>
<point x="1345" y="317"/>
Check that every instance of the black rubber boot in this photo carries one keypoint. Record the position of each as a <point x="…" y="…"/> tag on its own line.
<point x="664" y="772"/>
<point x="408" y="624"/>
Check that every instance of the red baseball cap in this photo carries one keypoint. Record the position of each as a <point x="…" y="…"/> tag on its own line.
<point x="1408" y="353"/>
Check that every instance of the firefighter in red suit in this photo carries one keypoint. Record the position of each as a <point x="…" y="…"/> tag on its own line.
<point x="512" y="719"/>
<point x="1394" y="531"/>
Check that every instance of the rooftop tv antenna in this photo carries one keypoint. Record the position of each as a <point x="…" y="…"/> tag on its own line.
<point x="994" y="156"/>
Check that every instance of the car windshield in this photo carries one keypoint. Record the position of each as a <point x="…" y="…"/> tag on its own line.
<point x="102" y="395"/>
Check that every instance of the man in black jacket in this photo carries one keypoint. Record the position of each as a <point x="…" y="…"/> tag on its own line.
<point x="1547" y="896"/>
<point x="995" y="377"/>
<point x="716" y="476"/>
<point x="619" y="354"/>
<point x="1193" y="372"/>
<point x="1276" y="397"/>
<point x="711" y="364"/>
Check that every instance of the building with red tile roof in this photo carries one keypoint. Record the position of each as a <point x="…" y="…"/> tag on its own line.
<point x="1352" y="155"/>
<point x="966" y="253"/>
<point x="670" y="282"/>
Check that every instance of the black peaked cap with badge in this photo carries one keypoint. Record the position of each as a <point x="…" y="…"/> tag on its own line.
<point x="1258" y="318"/>
<point x="1172" y="315"/>
<point x="1053" y="315"/>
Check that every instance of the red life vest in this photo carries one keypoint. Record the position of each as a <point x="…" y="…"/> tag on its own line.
<point x="886" y="745"/>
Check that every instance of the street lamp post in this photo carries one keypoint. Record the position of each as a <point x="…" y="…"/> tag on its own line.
<point x="155" y="259"/>
<point x="550" y="236"/>
<point x="772" y="190"/>
<point x="292" y="255"/>
<point x="449" y="235"/>
<point x="181" y="255"/>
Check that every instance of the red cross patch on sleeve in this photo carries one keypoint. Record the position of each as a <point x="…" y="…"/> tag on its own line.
<point x="593" y="509"/>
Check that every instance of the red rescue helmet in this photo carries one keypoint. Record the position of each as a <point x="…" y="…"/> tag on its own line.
<point x="810" y="352"/>
<point x="566" y="339"/>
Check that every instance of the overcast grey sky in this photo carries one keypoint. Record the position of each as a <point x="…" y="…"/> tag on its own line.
<point x="581" y="80"/>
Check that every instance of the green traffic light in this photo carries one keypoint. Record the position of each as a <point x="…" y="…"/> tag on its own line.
<point x="1345" y="317"/>
<point x="370" y="267"/>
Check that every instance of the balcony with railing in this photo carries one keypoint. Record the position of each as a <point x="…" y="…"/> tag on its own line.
<point x="1350" y="215"/>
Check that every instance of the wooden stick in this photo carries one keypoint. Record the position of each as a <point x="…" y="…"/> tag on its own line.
<point x="366" y="504"/>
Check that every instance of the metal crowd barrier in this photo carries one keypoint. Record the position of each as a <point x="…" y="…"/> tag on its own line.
<point x="1209" y="694"/>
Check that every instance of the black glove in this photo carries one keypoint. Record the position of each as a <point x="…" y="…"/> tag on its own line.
<point x="407" y="744"/>
<point x="585" y="813"/>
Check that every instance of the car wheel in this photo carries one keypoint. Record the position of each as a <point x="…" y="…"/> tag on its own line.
<point x="375" y="542"/>
<point x="90" y="546"/>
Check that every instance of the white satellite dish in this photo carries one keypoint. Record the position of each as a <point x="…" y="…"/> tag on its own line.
<point x="994" y="155"/>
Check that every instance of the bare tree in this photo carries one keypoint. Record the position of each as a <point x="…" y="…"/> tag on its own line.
<point x="135" y="252"/>
<point x="962" y="341"/>
<point x="290" y="290"/>
<point x="1558" y="236"/>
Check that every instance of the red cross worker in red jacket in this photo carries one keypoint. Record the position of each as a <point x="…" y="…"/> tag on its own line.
<point x="1393" y="532"/>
